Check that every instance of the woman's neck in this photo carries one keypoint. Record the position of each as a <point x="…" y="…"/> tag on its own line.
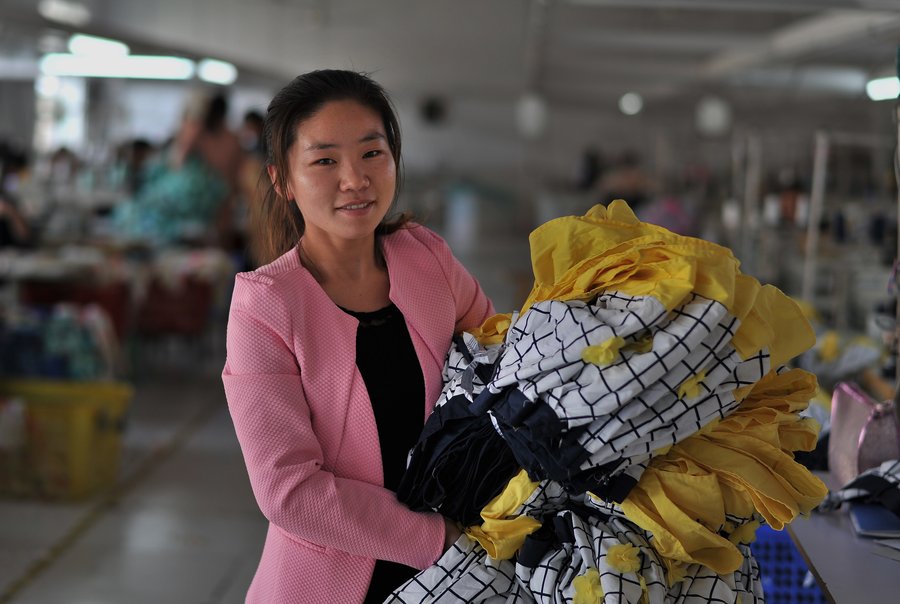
<point x="329" y="261"/>
<point x="353" y="274"/>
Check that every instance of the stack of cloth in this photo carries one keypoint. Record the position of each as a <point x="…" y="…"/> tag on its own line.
<point x="622" y="436"/>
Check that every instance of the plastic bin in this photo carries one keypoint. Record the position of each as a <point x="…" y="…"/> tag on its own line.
<point x="783" y="572"/>
<point x="72" y="441"/>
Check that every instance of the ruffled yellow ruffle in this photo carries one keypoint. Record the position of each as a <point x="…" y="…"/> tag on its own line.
<point x="493" y="330"/>
<point x="502" y="531"/>
<point x="738" y="466"/>
<point x="609" y="249"/>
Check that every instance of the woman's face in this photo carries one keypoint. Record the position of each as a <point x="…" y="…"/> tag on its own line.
<point x="342" y="174"/>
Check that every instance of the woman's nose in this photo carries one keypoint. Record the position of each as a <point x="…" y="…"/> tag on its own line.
<point x="353" y="177"/>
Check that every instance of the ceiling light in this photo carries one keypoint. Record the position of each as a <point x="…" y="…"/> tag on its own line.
<point x="713" y="116"/>
<point x="81" y="44"/>
<point x="61" y="11"/>
<point x="125" y="66"/>
<point x="217" y="72"/>
<point x="631" y="103"/>
<point x="531" y="115"/>
<point x="883" y="89"/>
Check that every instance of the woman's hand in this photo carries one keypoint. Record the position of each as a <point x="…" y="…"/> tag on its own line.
<point x="451" y="533"/>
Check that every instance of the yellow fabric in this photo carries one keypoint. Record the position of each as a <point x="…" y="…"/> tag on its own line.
<point x="809" y="311"/>
<point x="603" y="353"/>
<point x="493" y="330"/>
<point x="690" y="388"/>
<point x="624" y="558"/>
<point x="645" y="594"/>
<point x="829" y="346"/>
<point x="746" y="533"/>
<point x="675" y="571"/>
<point x="609" y="249"/>
<point x="587" y="587"/>
<point x="740" y="464"/>
<point x="502" y="532"/>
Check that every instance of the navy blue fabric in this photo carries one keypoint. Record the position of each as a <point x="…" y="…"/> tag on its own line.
<point x="459" y="464"/>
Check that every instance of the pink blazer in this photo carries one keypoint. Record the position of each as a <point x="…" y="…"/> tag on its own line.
<point x="305" y="423"/>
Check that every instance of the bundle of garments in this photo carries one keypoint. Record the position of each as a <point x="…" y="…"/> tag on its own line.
<point x="622" y="436"/>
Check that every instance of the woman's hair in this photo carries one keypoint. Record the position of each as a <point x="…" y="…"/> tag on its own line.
<point x="278" y="223"/>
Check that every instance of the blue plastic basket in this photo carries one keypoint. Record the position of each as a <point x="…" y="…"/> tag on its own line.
<point x="785" y="577"/>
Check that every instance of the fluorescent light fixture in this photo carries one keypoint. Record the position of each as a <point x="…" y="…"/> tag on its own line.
<point x="631" y="103"/>
<point x="147" y="67"/>
<point x="217" y="72"/>
<point x="81" y="44"/>
<point x="61" y="11"/>
<point x="882" y="89"/>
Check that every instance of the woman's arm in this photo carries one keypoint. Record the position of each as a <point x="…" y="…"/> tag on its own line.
<point x="284" y="457"/>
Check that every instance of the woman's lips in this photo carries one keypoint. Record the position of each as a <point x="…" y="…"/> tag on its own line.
<point x="356" y="206"/>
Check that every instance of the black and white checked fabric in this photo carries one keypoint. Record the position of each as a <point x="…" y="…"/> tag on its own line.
<point x="584" y="543"/>
<point x="876" y="485"/>
<point x="567" y="547"/>
<point x="465" y="573"/>
<point x="467" y="360"/>
<point x="587" y="430"/>
<point x="610" y="416"/>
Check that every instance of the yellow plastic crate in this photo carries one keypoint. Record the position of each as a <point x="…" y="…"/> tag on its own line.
<point x="73" y="436"/>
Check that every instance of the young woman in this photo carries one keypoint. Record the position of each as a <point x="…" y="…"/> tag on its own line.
<point x="335" y="349"/>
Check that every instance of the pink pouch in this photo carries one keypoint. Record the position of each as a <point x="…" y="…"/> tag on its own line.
<point x="864" y="432"/>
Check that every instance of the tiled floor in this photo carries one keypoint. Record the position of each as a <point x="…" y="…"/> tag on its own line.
<point x="185" y="528"/>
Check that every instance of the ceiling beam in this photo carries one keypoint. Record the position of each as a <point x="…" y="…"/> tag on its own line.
<point x="829" y="30"/>
<point x="790" y="6"/>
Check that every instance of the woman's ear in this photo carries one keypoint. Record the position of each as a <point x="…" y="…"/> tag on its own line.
<point x="273" y="177"/>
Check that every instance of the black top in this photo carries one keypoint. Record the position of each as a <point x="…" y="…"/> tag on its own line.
<point x="390" y="369"/>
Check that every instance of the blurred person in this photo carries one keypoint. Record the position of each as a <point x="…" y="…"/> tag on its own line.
<point x="64" y="166"/>
<point x="187" y="197"/>
<point x="134" y="158"/>
<point x="206" y="135"/>
<point x="626" y="180"/>
<point x="590" y="169"/>
<point x="15" y="231"/>
<point x="335" y="348"/>
<point x="250" y="133"/>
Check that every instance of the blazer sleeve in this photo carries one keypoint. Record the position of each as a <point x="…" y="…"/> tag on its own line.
<point x="284" y="457"/>
<point x="472" y="304"/>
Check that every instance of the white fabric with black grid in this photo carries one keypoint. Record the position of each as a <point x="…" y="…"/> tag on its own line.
<point x="623" y="411"/>
<point x="465" y="573"/>
<point x="576" y="545"/>
<point x="879" y="485"/>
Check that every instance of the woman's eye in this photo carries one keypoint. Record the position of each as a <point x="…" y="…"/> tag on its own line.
<point x="373" y="153"/>
<point x="325" y="161"/>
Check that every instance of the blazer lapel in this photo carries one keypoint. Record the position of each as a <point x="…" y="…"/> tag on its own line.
<point x="411" y="269"/>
